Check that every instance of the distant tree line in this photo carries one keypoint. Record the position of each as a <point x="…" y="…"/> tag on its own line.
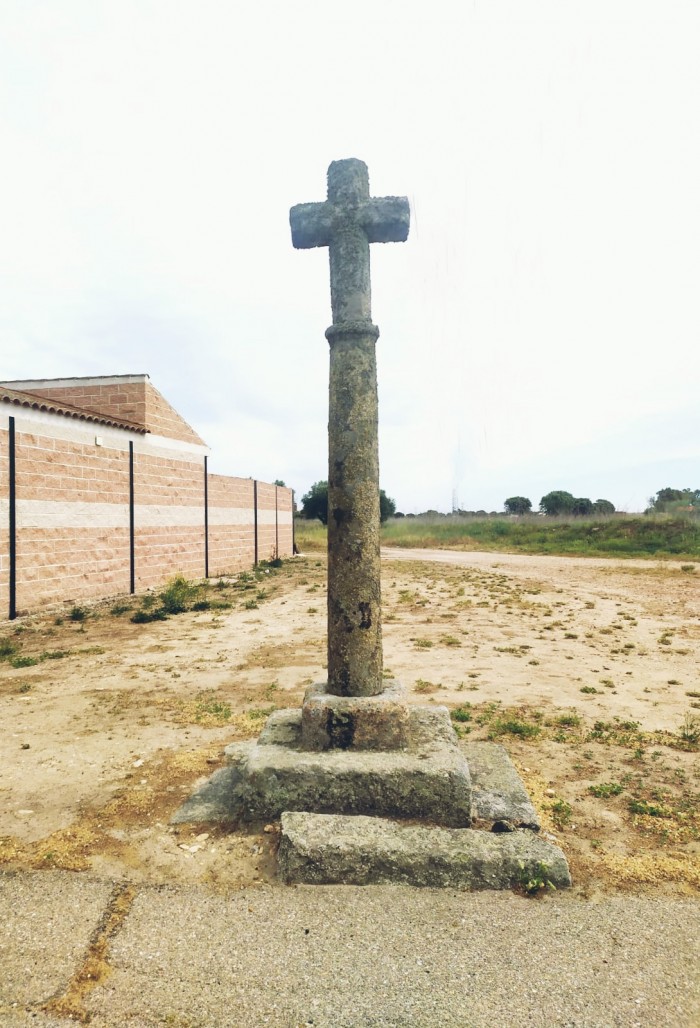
<point x="674" y="501"/>
<point x="560" y="503"/>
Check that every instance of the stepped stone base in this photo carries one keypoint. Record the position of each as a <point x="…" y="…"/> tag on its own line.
<point x="349" y="814"/>
<point x="318" y="849"/>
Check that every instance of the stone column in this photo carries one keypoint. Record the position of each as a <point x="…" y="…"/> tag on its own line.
<point x="354" y="590"/>
<point x="347" y="222"/>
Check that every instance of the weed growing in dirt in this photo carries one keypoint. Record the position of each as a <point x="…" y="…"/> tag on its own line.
<point x="647" y="809"/>
<point x="571" y="720"/>
<point x="513" y="726"/>
<point x="533" y="883"/>
<point x="605" y="789"/>
<point x="424" y="686"/>
<point x="7" y="649"/>
<point x="213" y="709"/>
<point x="77" y="614"/>
<point x="690" y="730"/>
<point x="561" y="813"/>
<point x="23" y="661"/>
<point x="462" y="714"/>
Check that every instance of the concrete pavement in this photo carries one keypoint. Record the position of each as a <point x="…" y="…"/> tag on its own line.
<point x="345" y="956"/>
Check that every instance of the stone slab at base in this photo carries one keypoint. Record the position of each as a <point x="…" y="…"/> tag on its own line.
<point x="429" y="780"/>
<point x="378" y="722"/>
<point x="318" y="849"/>
<point x="498" y="793"/>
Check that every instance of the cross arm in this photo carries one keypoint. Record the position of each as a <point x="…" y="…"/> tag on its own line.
<point x="386" y="220"/>
<point x="312" y="225"/>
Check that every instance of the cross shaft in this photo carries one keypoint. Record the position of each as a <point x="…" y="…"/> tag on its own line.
<point x="347" y="222"/>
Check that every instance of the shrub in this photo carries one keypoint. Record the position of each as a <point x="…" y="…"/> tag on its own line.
<point x="178" y="595"/>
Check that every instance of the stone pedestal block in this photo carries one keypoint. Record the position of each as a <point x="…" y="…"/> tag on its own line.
<point x="330" y="722"/>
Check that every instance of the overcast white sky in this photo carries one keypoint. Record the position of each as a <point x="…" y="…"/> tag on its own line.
<point x="539" y="330"/>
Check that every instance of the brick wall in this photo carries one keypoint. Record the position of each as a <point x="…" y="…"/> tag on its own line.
<point x="72" y="502"/>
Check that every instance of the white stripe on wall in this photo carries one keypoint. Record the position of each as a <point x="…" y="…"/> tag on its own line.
<point x="63" y="514"/>
<point x="80" y="514"/>
<point x="238" y="516"/>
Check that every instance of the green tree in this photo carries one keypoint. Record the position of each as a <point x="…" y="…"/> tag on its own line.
<point x="583" y="507"/>
<point x="278" y="481"/>
<point x="518" y="505"/>
<point x="669" y="500"/>
<point x="315" y="503"/>
<point x="557" y="502"/>
<point x="603" y="507"/>
<point x="387" y="506"/>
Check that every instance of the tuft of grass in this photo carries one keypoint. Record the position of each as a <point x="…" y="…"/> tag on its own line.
<point x="461" y="714"/>
<point x="423" y="686"/>
<point x="23" y="661"/>
<point x="690" y="730"/>
<point x="605" y="789"/>
<point x="648" y="809"/>
<point x="119" y="608"/>
<point x="571" y="720"/>
<point x="513" y="726"/>
<point x="561" y="813"/>
<point x="212" y="709"/>
<point x="7" y="649"/>
<point x="142" y="617"/>
<point x="77" y="614"/>
<point x="589" y="689"/>
<point x="423" y="644"/>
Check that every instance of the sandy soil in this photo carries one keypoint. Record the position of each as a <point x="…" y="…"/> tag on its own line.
<point x="586" y="670"/>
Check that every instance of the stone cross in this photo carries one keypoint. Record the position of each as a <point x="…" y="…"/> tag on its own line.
<point x="347" y="222"/>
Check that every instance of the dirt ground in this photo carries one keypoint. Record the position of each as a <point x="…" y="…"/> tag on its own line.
<point x="586" y="670"/>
